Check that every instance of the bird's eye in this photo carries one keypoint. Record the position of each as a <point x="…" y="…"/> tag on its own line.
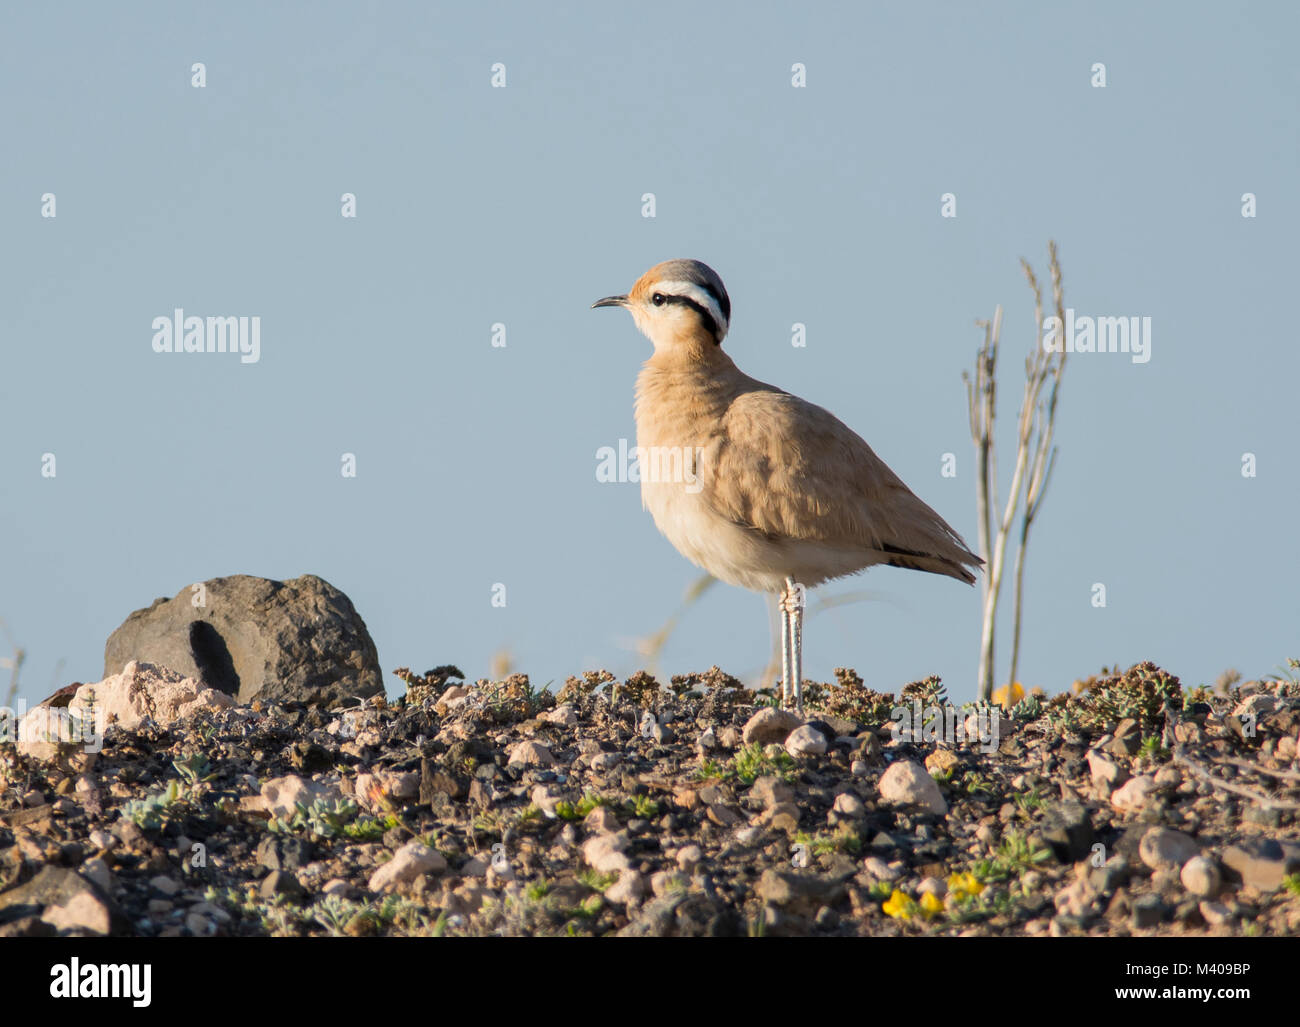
<point x="657" y="299"/>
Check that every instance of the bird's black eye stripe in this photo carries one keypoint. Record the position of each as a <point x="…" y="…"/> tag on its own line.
<point x="699" y="308"/>
<point x="657" y="299"/>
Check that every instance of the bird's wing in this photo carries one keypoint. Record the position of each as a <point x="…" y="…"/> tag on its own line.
<point x="790" y="469"/>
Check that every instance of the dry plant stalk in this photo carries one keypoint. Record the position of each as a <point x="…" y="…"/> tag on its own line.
<point x="13" y="663"/>
<point x="1035" y="460"/>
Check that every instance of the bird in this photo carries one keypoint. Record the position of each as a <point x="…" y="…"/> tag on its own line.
<point x="760" y="488"/>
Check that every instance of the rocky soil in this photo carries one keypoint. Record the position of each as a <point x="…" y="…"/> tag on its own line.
<point x="622" y="807"/>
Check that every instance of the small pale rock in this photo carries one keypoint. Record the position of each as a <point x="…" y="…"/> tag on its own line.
<point x="1262" y="863"/>
<point x="1216" y="914"/>
<point x="605" y="853"/>
<point x="907" y="783"/>
<point x="164" y="884"/>
<point x="1133" y="795"/>
<point x="530" y="754"/>
<point x="805" y="741"/>
<point x="402" y="786"/>
<point x="1255" y="706"/>
<point x="771" y="791"/>
<point x="689" y="857"/>
<point x="564" y="715"/>
<point x="545" y="799"/>
<point x="941" y="761"/>
<point x="1189" y="732"/>
<point x="281" y="795"/>
<point x="769" y="725"/>
<point x="604" y="762"/>
<point x="601" y="820"/>
<point x="1128" y="738"/>
<point x="97" y="870"/>
<point x="849" y="805"/>
<point x="1201" y="877"/>
<point x="1163" y="849"/>
<point x="1106" y="773"/>
<point x="412" y="860"/>
<point x="630" y="887"/>
<point x="199" y="926"/>
<point x="1076" y="899"/>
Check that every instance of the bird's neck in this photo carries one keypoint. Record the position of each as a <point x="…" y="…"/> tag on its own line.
<point x="677" y="396"/>
<point x="695" y="354"/>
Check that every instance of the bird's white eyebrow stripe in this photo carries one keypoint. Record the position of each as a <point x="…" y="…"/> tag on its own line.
<point x="701" y="295"/>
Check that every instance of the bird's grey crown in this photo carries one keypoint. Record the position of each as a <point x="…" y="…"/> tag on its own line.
<point x="699" y="273"/>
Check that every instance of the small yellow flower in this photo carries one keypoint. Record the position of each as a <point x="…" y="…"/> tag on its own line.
<point x="899" y="905"/>
<point x="931" y="904"/>
<point x="964" y="886"/>
<point x="1008" y="695"/>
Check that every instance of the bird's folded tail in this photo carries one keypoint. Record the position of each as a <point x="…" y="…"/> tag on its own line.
<point x="917" y="561"/>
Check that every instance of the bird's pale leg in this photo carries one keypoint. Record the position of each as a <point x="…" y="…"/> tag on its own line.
<point x="795" y="603"/>
<point x="785" y="650"/>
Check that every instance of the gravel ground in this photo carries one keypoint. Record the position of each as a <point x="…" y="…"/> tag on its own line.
<point x="1134" y="806"/>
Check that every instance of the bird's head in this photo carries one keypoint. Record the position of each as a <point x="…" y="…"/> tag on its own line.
<point x="678" y="304"/>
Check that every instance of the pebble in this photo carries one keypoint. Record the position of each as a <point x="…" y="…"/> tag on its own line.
<point x="1216" y="914"/>
<point x="907" y="783"/>
<point x="605" y="853"/>
<point x="805" y="741"/>
<point x="1163" y="849"/>
<point x="690" y="857"/>
<point x="1262" y="863"/>
<point x="102" y="840"/>
<point x="630" y="887"/>
<point x="166" y="885"/>
<point x="769" y="725"/>
<point x="601" y="820"/>
<point x="530" y="754"/>
<point x="849" y="805"/>
<point x="1133" y="795"/>
<point x="200" y="926"/>
<point x="1106" y="773"/>
<point x="941" y="760"/>
<point x="412" y="860"/>
<point x="771" y="791"/>
<point x="1201" y="877"/>
<point x="564" y="715"/>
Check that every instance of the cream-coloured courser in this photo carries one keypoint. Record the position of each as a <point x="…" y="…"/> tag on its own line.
<point x="760" y="488"/>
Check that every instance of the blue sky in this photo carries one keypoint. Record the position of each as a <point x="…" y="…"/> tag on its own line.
<point x="521" y="205"/>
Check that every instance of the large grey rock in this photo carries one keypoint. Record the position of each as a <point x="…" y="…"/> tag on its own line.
<point x="277" y="641"/>
<point x="65" y="901"/>
<point x="1262" y="863"/>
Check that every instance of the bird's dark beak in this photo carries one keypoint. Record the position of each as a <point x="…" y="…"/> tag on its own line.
<point x="610" y="301"/>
